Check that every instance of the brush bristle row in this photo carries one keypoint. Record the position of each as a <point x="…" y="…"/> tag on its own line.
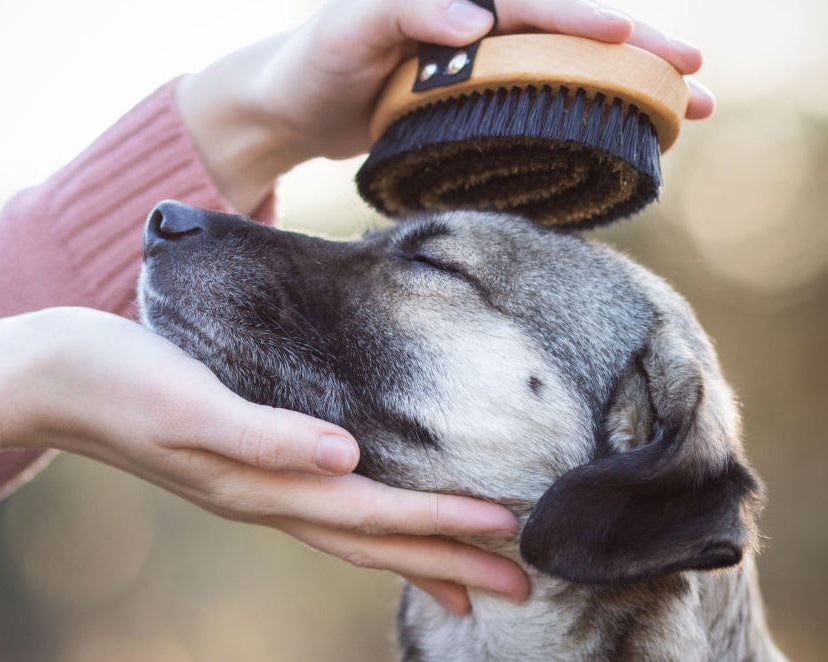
<point x="557" y="156"/>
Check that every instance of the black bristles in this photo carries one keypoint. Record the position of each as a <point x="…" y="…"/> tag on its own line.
<point x="559" y="156"/>
<point x="613" y="125"/>
<point x="649" y="157"/>
<point x="507" y="112"/>
<point x="485" y="124"/>
<point x="594" y="122"/>
<point x="517" y="122"/>
<point x="551" y="125"/>
<point x="539" y="111"/>
<point x="629" y="137"/>
<point x="574" y="117"/>
<point x="476" y="109"/>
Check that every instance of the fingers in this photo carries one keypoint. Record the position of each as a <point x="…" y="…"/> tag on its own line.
<point x="460" y="22"/>
<point x="454" y="23"/>
<point x="574" y="17"/>
<point x="274" y="439"/>
<point x="450" y="596"/>
<point x="281" y="500"/>
<point x="422" y="557"/>
<point x="349" y="502"/>
<point x="683" y="56"/>
<point x="359" y="504"/>
<point x="702" y="102"/>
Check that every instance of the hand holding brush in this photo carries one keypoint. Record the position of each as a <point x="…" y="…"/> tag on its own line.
<point x="311" y="92"/>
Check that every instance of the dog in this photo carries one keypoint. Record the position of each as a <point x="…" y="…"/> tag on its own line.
<point x="476" y="353"/>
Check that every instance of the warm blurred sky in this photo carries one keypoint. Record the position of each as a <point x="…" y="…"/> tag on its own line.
<point x="69" y="69"/>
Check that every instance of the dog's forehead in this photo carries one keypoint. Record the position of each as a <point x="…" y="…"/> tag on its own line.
<point x="486" y="236"/>
<point x="512" y="252"/>
<point x="524" y="265"/>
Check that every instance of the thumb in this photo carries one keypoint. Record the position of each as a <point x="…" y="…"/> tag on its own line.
<point x="280" y="440"/>
<point x="454" y="23"/>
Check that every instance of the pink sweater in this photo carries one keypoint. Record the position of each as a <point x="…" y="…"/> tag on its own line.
<point x="75" y="240"/>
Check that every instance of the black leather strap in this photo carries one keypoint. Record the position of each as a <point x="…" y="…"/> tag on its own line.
<point x="440" y="65"/>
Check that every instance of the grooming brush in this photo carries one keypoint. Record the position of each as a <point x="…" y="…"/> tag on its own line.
<point x="560" y="129"/>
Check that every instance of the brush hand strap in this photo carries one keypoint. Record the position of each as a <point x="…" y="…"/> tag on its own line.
<point x="445" y="65"/>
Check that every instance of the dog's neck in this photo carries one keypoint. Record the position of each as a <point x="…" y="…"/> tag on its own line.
<point x="690" y="617"/>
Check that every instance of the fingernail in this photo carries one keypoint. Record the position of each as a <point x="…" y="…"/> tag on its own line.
<point x="335" y="454"/>
<point x="456" y="608"/>
<point x="513" y="587"/>
<point x="515" y="598"/>
<point x="466" y="17"/>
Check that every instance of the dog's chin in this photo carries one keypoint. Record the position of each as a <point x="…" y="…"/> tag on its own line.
<point x="161" y="316"/>
<point x="151" y="305"/>
<point x="144" y="298"/>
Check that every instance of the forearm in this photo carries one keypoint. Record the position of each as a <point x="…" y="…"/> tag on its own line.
<point x="19" y="458"/>
<point x="258" y="112"/>
<point x="21" y="354"/>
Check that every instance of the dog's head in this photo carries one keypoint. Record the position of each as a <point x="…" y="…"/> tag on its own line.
<point x="478" y="354"/>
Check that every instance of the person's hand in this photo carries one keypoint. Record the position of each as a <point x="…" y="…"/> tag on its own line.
<point x="262" y="110"/>
<point x="95" y="384"/>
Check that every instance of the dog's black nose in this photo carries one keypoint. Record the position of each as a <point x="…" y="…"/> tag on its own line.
<point x="172" y="221"/>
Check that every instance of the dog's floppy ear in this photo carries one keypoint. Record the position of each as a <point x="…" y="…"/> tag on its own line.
<point x="668" y="491"/>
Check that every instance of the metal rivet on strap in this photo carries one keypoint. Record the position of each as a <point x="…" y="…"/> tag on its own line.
<point x="428" y="70"/>
<point x="457" y="62"/>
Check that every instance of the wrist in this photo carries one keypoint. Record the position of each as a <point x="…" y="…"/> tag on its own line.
<point x="241" y="144"/>
<point x="23" y="360"/>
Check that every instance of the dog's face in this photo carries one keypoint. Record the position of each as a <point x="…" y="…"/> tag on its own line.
<point x="475" y="353"/>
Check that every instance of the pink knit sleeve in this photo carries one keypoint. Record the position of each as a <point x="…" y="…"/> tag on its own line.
<point x="75" y="240"/>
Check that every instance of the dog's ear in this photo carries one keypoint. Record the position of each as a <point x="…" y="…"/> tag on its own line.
<point x="668" y="489"/>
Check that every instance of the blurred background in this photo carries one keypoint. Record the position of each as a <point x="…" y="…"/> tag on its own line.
<point x="97" y="566"/>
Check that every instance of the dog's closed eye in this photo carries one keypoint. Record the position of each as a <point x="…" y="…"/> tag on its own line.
<point x="415" y="238"/>
<point x="417" y="248"/>
<point x="440" y="264"/>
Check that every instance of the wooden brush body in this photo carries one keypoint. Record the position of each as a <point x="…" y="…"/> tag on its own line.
<point x="634" y="75"/>
<point x="561" y="129"/>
